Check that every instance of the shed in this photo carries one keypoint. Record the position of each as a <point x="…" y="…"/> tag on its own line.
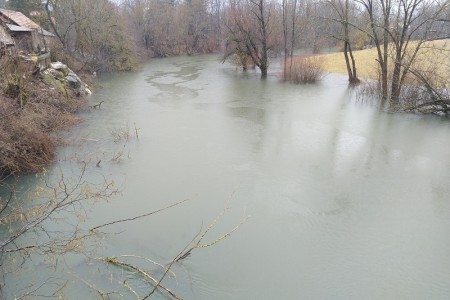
<point x="26" y="34"/>
<point x="6" y="42"/>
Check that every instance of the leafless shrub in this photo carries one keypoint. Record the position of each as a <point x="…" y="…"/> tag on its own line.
<point x="27" y="222"/>
<point x="23" y="147"/>
<point x="368" y="90"/>
<point x="14" y="78"/>
<point x="425" y="90"/>
<point x="304" y="69"/>
<point x="195" y="244"/>
<point x="30" y="111"/>
<point x="118" y="155"/>
<point x="120" y="133"/>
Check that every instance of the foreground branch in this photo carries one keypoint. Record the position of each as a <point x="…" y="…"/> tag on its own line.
<point x="141" y="216"/>
<point x="142" y="272"/>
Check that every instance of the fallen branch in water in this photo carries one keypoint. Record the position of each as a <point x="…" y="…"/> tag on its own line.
<point x="170" y="266"/>
<point x="148" y="260"/>
<point x="195" y="243"/>
<point x="198" y="245"/>
<point x="184" y="254"/>
<point x="97" y="105"/>
<point x="138" y="217"/>
<point x="437" y="106"/>
<point x="136" y="131"/>
<point x="142" y="272"/>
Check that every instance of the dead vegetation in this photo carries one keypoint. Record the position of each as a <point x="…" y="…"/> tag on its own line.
<point x="31" y="110"/>
<point x="304" y="69"/>
<point x="430" y="53"/>
<point x="425" y="88"/>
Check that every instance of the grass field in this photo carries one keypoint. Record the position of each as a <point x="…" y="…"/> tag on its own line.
<point x="433" y="57"/>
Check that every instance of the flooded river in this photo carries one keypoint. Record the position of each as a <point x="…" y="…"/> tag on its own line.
<point x="341" y="201"/>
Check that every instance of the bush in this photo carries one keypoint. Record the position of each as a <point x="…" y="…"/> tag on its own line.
<point x="23" y="148"/>
<point x="304" y="69"/>
<point x="26" y="124"/>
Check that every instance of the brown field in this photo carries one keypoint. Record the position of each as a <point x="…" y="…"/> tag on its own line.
<point x="433" y="57"/>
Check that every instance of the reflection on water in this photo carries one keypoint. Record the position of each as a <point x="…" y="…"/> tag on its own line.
<point x="346" y="202"/>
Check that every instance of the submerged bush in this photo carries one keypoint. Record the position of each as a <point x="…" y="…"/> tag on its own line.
<point x="304" y="69"/>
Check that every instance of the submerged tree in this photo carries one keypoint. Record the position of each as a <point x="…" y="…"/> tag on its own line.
<point x="289" y="22"/>
<point x="399" y="30"/>
<point x="251" y="32"/>
<point x="343" y="11"/>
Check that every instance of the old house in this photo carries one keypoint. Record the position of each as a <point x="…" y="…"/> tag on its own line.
<point x="6" y="42"/>
<point x="25" y="34"/>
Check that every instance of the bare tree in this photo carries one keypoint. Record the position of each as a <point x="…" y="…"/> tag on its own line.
<point x="251" y="32"/>
<point x="285" y="35"/>
<point x="342" y="10"/>
<point x="289" y="22"/>
<point x="293" y="32"/>
<point x="93" y="32"/>
<point x="399" y="30"/>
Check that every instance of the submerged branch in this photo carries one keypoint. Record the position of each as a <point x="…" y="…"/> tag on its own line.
<point x="140" y="216"/>
<point x="142" y="272"/>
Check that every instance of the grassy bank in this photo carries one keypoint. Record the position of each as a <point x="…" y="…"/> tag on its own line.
<point x="433" y="57"/>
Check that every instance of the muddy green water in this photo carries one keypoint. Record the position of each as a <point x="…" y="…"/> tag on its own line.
<point x="345" y="202"/>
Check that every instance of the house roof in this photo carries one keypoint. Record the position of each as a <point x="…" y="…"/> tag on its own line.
<point x="17" y="28"/>
<point x="5" y="38"/>
<point x="19" y="19"/>
<point x="46" y="33"/>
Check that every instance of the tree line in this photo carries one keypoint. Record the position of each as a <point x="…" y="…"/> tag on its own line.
<point x="111" y="35"/>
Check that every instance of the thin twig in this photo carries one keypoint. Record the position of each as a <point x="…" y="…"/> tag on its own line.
<point x="142" y="272"/>
<point x="171" y="264"/>
<point x="141" y="216"/>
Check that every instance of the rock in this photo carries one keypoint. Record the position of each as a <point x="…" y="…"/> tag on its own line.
<point x="55" y="73"/>
<point x="73" y="81"/>
<point x="58" y="66"/>
<point x="58" y="74"/>
<point x="72" y="74"/>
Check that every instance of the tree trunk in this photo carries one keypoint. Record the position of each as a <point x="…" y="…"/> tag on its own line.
<point x="294" y="11"/>
<point x="285" y="33"/>
<point x="263" y="69"/>
<point x="355" y="78"/>
<point x="395" y="85"/>
<point x="264" y="61"/>
<point x="52" y="23"/>
<point x="347" y="62"/>
<point x="351" y="66"/>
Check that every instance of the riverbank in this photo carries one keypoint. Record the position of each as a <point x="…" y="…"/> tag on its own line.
<point x="35" y="103"/>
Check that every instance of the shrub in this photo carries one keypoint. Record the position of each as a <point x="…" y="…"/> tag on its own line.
<point x="30" y="111"/>
<point x="23" y="148"/>
<point x="304" y="69"/>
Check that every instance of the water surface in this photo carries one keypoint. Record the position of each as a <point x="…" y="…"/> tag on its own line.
<point x="345" y="202"/>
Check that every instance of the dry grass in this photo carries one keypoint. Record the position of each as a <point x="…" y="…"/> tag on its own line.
<point x="432" y="58"/>
<point x="26" y="140"/>
<point x="304" y="69"/>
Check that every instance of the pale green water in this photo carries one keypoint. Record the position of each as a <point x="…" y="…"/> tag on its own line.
<point x="345" y="202"/>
